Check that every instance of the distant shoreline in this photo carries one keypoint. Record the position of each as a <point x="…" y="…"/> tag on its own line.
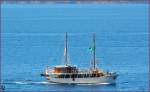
<point x="74" y="1"/>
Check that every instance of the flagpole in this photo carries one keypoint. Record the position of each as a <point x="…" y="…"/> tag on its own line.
<point x="94" y="51"/>
<point x="66" y="48"/>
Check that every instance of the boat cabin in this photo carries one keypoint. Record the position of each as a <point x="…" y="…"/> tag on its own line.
<point x="65" y="69"/>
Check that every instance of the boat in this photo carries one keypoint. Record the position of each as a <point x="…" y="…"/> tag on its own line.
<point x="71" y="74"/>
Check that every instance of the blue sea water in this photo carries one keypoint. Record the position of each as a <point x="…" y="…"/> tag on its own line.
<point x="33" y="37"/>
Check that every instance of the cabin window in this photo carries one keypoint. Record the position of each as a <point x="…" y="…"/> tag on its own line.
<point x="61" y="76"/>
<point x="101" y="74"/>
<point x="93" y="75"/>
<point x="80" y="76"/>
<point x="73" y="75"/>
<point x="67" y="76"/>
<point x="98" y="75"/>
<point x="84" y="75"/>
<point x="87" y="75"/>
<point x="90" y="75"/>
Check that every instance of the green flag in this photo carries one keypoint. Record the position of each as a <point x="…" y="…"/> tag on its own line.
<point x="91" y="49"/>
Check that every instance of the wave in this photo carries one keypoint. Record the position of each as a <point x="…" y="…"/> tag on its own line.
<point x="30" y="82"/>
<point x="26" y="82"/>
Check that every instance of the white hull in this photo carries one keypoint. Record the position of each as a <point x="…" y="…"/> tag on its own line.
<point x="95" y="80"/>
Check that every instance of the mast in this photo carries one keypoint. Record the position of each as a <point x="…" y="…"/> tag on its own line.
<point x="94" y="54"/>
<point x="66" y="48"/>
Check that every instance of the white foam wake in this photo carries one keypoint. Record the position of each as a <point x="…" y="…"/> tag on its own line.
<point x="28" y="82"/>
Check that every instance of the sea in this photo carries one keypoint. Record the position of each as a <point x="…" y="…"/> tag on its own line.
<point x="33" y="35"/>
